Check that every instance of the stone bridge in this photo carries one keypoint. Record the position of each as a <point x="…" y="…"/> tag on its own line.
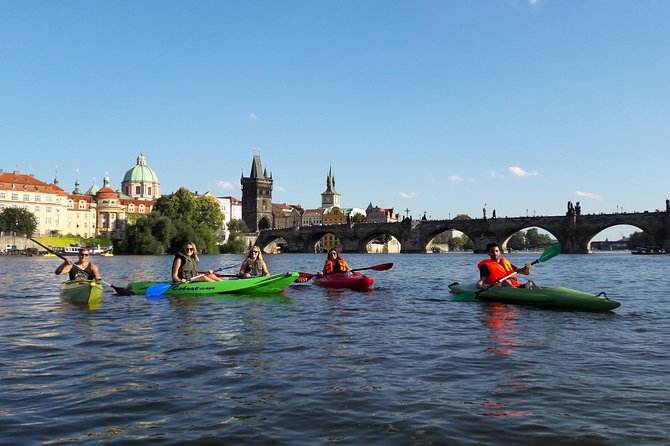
<point x="573" y="232"/>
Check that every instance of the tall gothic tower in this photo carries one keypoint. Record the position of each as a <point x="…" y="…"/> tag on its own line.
<point x="330" y="197"/>
<point x="257" y="197"/>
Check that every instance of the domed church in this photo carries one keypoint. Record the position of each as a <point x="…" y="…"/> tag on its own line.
<point x="141" y="182"/>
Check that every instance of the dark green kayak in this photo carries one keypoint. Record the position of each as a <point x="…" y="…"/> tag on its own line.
<point x="252" y="285"/>
<point x="550" y="297"/>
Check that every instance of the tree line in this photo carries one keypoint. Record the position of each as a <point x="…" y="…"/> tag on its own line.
<point x="178" y="218"/>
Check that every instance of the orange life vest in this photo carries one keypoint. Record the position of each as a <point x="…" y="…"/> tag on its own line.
<point x="498" y="270"/>
<point x="330" y="266"/>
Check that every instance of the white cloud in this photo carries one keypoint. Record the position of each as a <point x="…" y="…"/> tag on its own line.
<point x="407" y="194"/>
<point x="534" y="2"/>
<point x="227" y="185"/>
<point x="253" y="116"/>
<point x="456" y="179"/>
<point x="279" y="189"/>
<point x="590" y="195"/>
<point x="519" y="172"/>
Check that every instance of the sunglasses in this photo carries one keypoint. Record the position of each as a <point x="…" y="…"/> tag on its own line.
<point x="190" y="249"/>
<point x="83" y="255"/>
<point x="255" y="252"/>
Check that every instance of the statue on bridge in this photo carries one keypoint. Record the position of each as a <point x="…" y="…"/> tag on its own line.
<point x="667" y="205"/>
<point x="571" y="209"/>
<point x="578" y="209"/>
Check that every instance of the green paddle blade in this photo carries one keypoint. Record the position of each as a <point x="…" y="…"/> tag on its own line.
<point x="550" y="252"/>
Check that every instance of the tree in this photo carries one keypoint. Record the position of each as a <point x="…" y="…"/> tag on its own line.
<point x="176" y="219"/>
<point x="208" y="212"/>
<point x="235" y="243"/>
<point x="462" y="243"/>
<point x="358" y="218"/>
<point x="150" y="234"/>
<point x="18" y="220"/>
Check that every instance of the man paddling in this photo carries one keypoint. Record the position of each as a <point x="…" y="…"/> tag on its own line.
<point x="82" y="269"/>
<point x="498" y="269"/>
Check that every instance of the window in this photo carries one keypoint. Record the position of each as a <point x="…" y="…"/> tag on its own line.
<point x="15" y="196"/>
<point x="38" y="198"/>
<point x="37" y="208"/>
<point x="82" y="204"/>
<point x="141" y="209"/>
<point x="131" y="208"/>
<point x="149" y="191"/>
<point x="138" y="190"/>
<point x="48" y="208"/>
<point x="26" y="197"/>
<point x="48" y="220"/>
<point x="2" y="195"/>
<point x="50" y="198"/>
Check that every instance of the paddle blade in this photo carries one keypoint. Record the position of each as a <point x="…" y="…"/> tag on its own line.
<point x="121" y="291"/>
<point x="382" y="267"/>
<point x="550" y="252"/>
<point x="158" y="289"/>
<point x="304" y="277"/>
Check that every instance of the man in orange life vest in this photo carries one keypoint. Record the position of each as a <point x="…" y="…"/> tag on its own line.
<point x="493" y="269"/>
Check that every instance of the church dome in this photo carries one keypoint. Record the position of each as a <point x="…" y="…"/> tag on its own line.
<point x="141" y="173"/>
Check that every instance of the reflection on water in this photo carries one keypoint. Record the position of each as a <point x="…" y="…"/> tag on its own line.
<point x="501" y="322"/>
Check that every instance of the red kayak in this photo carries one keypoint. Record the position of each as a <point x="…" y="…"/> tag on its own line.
<point x="354" y="281"/>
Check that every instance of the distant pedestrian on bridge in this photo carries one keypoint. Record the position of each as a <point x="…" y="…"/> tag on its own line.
<point x="496" y="267"/>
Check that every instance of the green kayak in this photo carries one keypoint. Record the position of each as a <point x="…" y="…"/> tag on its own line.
<point x="81" y="291"/>
<point x="252" y="285"/>
<point x="550" y="297"/>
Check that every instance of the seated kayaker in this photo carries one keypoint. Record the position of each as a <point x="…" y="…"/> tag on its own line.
<point x="335" y="263"/>
<point x="254" y="265"/>
<point x="81" y="269"/>
<point x="185" y="266"/>
<point x="496" y="268"/>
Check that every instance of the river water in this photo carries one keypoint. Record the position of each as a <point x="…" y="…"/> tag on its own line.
<point x="400" y="364"/>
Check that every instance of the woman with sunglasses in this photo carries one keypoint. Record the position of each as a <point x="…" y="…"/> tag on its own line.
<point x="81" y="269"/>
<point x="254" y="265"/>
<point x="185" y="266"/>
<point x="335" y="263"/>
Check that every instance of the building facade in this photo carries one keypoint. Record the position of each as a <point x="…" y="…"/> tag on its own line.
<point x="47" y="201"/>
<point x="231" y="208"/>
<point x="96" y="212"/>
<point x="141" y="182"/>
<point x="330" y="197"/>
<point x="257" y="197"/>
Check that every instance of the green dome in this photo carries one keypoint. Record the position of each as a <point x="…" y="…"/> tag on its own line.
<point x="141" y="173"/>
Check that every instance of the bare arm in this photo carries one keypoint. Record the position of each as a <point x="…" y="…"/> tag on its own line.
<point x="96" y="272"/>
<point x="64" y="267"/>
<point x="175" y="270"/>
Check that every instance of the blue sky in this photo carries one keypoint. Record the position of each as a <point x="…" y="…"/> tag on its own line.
<point x="440" y="107"/>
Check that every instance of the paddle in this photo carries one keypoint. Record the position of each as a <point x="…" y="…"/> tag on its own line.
<point x="305" y="277"/>
<point x="548" y="253"/>
<point x="221" y="269"/>
<point x="121" y="291"/>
